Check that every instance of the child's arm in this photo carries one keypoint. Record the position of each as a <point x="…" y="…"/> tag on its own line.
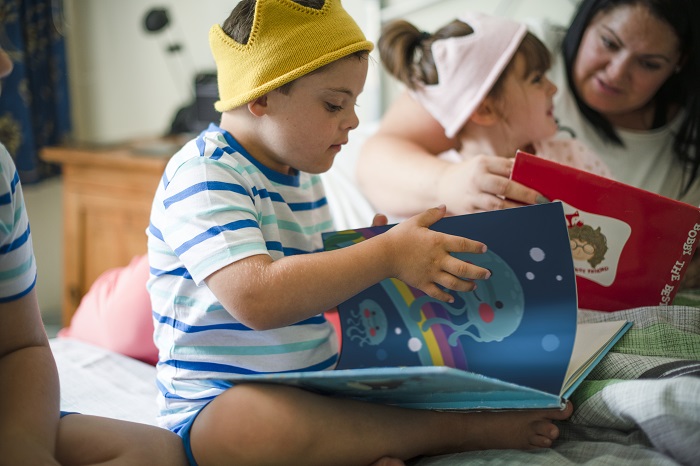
<point x="265" y="294"/>
<point x="29" y="385"/>
<point x="398" y="168"/>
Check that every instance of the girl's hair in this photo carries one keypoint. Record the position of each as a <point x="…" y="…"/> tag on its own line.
<point x="406" y="54"/>
<point x="680" y="88"/>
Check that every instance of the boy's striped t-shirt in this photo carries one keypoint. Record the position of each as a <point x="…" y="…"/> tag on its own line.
<point x="216" y="205"/>
<point x="17" y="264"/>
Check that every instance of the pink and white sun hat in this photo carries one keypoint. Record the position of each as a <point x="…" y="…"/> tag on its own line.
<point x="468" y="67"/>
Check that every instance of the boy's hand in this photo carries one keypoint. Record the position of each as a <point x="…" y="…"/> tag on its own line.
<point x="379" y="220"/>
<point x="421" y="257"/>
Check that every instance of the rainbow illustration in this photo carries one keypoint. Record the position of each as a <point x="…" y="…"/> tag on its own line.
<point x="435" y="349"/>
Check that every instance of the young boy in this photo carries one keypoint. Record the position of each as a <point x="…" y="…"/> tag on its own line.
<point x="238" y="280"/>
<point x="31" y="430"/>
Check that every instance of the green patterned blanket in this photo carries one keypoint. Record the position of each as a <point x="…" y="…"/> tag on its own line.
<point x="640" y="405"/>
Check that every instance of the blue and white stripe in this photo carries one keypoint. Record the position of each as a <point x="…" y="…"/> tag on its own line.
<point x="17" y="264"/>
<point x="216" y="205"/>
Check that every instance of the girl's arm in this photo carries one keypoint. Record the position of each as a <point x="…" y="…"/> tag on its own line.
<point x="399" y="171"/>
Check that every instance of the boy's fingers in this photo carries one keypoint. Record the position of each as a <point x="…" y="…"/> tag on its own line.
<point x="461" y="244"/>
<point x="465" y="270"/>
<point x="434" y="291"/>
<point x="454" y="283"/>
<point x="431" y="216"/>
<point x="380" y="220"/>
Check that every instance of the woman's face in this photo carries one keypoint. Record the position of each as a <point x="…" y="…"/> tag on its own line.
<point x="626" y="54"/>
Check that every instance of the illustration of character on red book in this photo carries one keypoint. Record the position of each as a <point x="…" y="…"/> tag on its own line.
<point x="596" y="244"/>
<point x="588" y="244"/>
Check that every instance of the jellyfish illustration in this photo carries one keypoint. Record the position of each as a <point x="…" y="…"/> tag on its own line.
<point x="490" y="313"/>
<point x="368" y="324"/>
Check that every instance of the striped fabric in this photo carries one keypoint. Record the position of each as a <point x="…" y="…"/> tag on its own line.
<point x="17" y="264"/>
<point x="639" y="406"/>
<point x="216" y="205"/>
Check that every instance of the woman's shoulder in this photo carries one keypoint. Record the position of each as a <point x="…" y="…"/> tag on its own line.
<point x="549" y="32"/>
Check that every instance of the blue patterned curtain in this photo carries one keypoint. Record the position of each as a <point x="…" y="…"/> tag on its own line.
<point x="34" y="104"/>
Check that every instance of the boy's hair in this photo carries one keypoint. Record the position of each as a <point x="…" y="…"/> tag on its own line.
<point x="408" y="55"/>
<point x="240" y="22"/>
<point x="266" y="44"/>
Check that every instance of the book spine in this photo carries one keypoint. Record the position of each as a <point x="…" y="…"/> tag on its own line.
<point x="681" y="265"/>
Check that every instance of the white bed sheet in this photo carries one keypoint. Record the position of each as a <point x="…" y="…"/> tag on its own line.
<point x="99" y="382"/>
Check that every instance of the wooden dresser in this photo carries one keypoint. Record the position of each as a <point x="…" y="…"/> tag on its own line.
<point x="107" y="195"/>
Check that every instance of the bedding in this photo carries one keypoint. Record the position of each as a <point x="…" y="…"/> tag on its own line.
<point x="640" y="405"/>
<point x="98" y="381"/>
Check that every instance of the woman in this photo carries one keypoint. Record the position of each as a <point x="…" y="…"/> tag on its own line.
<point x="625" y="72"/>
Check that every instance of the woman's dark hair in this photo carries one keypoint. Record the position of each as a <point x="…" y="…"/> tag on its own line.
<point x="681" y="89"/>
<point x="406" y="53"/>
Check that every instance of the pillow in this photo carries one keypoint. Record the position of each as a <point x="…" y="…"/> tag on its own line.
<point x="116" y="313"/>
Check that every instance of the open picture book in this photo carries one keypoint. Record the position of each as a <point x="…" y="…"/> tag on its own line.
<point x="630" y="247"/>
<point x="513" y="343"/>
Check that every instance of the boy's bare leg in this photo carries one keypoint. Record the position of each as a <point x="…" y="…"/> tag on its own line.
<point x="269" y="425"/>
<point x="85" y="440"/>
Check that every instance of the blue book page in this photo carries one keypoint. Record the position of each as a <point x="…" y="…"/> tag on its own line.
<point x="519" y="326"/>
<point x="424" y="387"/>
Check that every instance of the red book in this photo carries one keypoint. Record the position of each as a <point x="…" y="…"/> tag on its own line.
<point x="631" y="247"/>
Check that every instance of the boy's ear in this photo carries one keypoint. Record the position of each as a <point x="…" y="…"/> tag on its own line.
<point x="485" y="114"/>
<point x="258" y="107"/>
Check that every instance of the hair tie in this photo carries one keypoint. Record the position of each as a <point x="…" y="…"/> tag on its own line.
<point x="424" y="35"/>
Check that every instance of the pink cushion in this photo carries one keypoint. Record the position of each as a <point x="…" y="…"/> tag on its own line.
<point x="116" y="313"/>
<point x="333" y="317"/>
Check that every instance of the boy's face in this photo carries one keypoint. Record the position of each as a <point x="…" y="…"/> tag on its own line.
<point x="308" y="126"/>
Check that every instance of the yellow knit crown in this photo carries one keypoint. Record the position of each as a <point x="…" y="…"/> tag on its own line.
<point x="287" y="41"/>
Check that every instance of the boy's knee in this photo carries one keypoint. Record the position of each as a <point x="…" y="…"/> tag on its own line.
<point x="253" y="424"/>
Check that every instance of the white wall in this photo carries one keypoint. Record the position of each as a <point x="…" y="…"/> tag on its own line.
<point x="124" y="85"/>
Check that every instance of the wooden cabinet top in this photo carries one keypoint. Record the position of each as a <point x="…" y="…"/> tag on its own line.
<point x="141" y="156"/>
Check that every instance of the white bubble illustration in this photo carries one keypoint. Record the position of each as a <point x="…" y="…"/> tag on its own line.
<point x="530" y="276"/>
<point x="414" y="344"/>
<point x="537" y="254"/>
<point x="550" y="342"/>
<point x="397" y="330"/>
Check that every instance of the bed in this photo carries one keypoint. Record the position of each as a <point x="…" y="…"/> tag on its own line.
<point x="641" y="405"/>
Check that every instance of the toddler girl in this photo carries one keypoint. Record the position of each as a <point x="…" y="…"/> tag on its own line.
<point x="483" y="79"/>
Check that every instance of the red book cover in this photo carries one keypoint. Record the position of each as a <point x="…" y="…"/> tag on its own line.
<point x="630" y="247"/>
